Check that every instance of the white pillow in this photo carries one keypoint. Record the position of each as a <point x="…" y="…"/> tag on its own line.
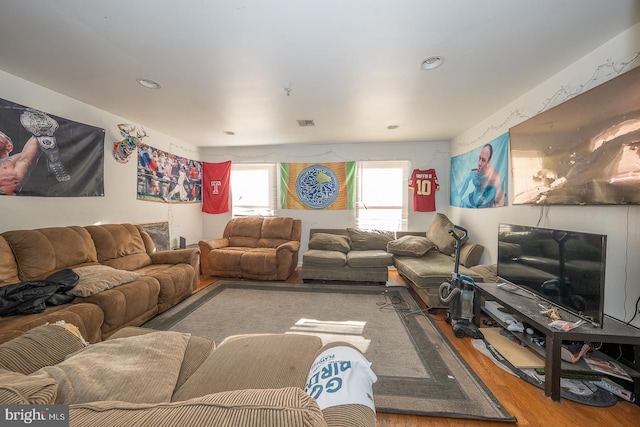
<point x="97" y="278"/>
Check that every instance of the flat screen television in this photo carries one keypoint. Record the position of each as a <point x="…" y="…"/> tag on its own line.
<point x="564" y="268"/>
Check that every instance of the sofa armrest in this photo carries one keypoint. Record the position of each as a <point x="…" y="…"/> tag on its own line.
<point x="178" y="256"/>
<point x="291" y="246"/>
<point x="239" y="408"/>
<point x="211" y="244"/>
<point x="470" y="254"/>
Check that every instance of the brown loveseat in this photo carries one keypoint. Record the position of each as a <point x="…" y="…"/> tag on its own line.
<point x="123" y="281"/>
<point x="247" y="380"/>
<point x="254" y="248"/>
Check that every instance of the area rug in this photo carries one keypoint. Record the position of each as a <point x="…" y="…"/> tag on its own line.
<point x="419" y="371"/>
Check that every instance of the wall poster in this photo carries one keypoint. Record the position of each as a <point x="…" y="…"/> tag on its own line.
<point x="479" y="176"/>
<point x="165" y="177"/>
<point x="48" y="156"/>
<point x="317" y="185"/>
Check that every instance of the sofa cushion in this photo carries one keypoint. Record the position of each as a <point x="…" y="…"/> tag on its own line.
<point x="470" y="254"/>
<point x="112" y="369"/>
<point x="289" y="406"/>
<point x="198" y="349"/>
<point x="369" y="258"/>
<point x="86" y="316"/>
<point x="40" y="252"/>
<point x="120" y="246"/>
<point x="253" y="362"/>
<point x="20" y="389"/>
<point x="96" y="278"/>
<point x="176" y="282"/>
<point x="330" y="242"/>
<point x="487" y="271"/>
<point x="324" y="258"/>
<point x="410" y="246"/>
<point x="39" y="347"/>
<point x="369" y="239"/>
<point x="8" y="266"/>
<point x="430" y="270"/>
<point x="259" y="261"/>
<point x="129" y="304"/>
<point x="243" y="231"/>
<point x="438" y="233"/>
<point x="277" y="228"/>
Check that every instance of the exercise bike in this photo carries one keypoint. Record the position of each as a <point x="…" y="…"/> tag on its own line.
<point x="459" y="292"/>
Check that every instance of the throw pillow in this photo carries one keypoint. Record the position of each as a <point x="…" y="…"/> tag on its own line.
<point x="414" y="246"/>
<point x="20" y="389"/>
<point x="330" y="242"/>
<point x="97" y="278"/>
<point x="142" y="369"/>
<point x="438" y="233"/>
<point x="363" y="240"/>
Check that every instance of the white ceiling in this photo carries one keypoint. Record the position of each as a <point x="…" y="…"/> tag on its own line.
<point x="352" y="66"/>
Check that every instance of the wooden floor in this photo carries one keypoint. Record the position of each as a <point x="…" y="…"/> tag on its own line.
<point x="524" y="401"/>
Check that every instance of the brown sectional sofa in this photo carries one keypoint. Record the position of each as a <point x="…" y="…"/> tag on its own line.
<point x="162" y="280"/>
<point x="425" y="259"/>
<point x="253" y="248"/>
<point x="247" y="380"/>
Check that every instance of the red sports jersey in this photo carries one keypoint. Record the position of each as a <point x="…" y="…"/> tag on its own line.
<point x="424" y="184"/>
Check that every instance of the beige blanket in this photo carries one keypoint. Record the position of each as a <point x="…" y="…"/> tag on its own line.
<point x="140" y="369"/>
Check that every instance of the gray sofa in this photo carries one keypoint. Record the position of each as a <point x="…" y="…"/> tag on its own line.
<point x="424" y="259"/>
<point x="347" y="254"/>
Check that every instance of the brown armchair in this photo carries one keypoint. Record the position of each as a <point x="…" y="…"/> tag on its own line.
<point x="253" y="248"/>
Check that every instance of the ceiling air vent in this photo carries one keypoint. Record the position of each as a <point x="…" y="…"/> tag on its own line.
<point x="305" y="123"/>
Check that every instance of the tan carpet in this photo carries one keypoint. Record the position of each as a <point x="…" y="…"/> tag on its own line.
<point x="419" y="371"/>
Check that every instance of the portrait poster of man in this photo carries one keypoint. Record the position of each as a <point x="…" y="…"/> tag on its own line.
<point x="165" y="177"/>
<point x="479" y="176"/>
<point x="48" y="156"/>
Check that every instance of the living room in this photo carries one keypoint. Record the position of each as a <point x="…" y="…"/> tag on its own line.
<point x="621" y="223"/>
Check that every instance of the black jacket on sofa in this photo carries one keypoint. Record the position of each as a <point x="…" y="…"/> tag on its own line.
<point x="34" y="295"/>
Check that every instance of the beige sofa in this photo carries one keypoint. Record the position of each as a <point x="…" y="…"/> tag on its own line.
<point x="347" y="254"/>
<point x="122" y="280"/>
<point x="424" y="258"/>
<point x="176" y="379"/>
<point x="253" y="248"/>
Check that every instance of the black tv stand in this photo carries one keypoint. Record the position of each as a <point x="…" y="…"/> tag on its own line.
<point x="612" y="331"/>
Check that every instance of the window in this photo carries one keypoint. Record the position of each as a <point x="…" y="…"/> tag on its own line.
<point x="381" y="197"/>
<point x="253" y="189"/>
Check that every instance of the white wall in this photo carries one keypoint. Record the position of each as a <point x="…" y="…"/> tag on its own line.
<point x="423" y="155"/>
<point x="119" y="203"/>
<point x="620" y="223"/>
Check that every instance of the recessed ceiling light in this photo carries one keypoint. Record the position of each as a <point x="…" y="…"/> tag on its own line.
<point x="306" y="123"/>
<point x="393" y="127"/>
<point x="149" y="84"/>
<point x="432" y="62"/>
<point x="228" y="132"/>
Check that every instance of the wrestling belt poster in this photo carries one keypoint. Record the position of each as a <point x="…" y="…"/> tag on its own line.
<point x="165" y="177"/>
<point x="48" y="156"/>
<point x="318" y="185"/>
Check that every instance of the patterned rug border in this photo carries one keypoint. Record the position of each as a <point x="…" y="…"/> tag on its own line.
<point x="418" y="388"/>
